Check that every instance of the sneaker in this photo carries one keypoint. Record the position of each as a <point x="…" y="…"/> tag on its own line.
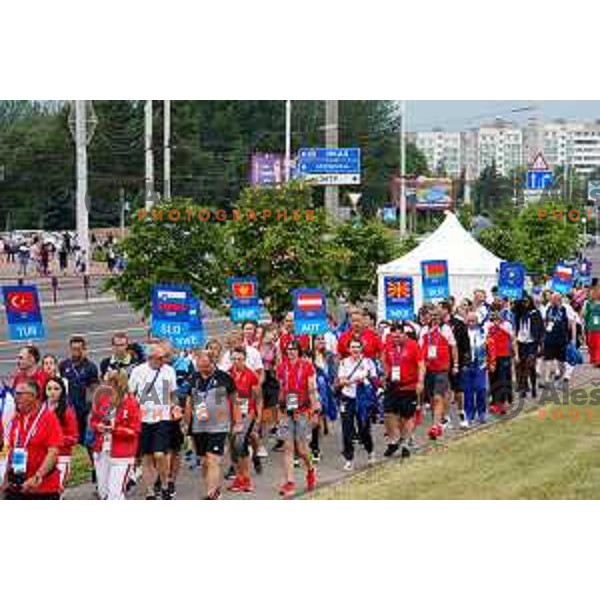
<point x="494" y="409"/>
<point x="150" y="496"/>
<point x="214" y="495"/>
<point x="248" y="486"/>
<point x="311" y="479"/>
<point x="412" y="443"/>
<point x="230" y="473"/>
<point x="288" y="489"/>
<point x="172" y="491"/>
<point x="316" y="456"/>
<point x="278" y="447"/>
<point x="296" y="462"/>
<point x="371" y="459"/>
<point x="262" y="452"/>
<point x="165" y="494"/>
<point x="391" y="450"/>
<point x="348" y="466"/>
<point x="435" y="431"/>
<point x="464" y="424"/>
<point x="157" y="486"/>
<point x="258" y="468"/>
<point x="405" y="452"/>
<point x="237" y="485"/>
<point x="131" y="483"/>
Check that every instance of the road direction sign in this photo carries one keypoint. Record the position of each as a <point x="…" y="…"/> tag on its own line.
<point x="329" y="166"/>
<point x="539" y="163"/>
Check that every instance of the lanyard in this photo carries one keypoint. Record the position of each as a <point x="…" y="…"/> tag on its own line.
<point x="429" y="337"/>
<point x="31" y="431"/>
<point x="203" y="395"/>
<point x="296" y="377"/>
<point x="398" y="353"/>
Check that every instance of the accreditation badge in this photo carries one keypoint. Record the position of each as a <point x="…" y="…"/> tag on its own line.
<point x="396" y="373"/>
<point x="432" y="352"/>
<point x="19" y="461"/>
<point x="292" y="401"/>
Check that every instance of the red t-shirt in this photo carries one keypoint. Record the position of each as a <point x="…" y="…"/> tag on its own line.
<point x="46" y="434"/>
<point x="70" y="431"/>
<point x="407" y="357"/>
<point x="439" y="363"/>
<point x="39" y="376"/>
<point x="245" y="382"/>
<point x="501" y="339"/>
<point x="294" y="378"/>
<point x="372" y="345"/>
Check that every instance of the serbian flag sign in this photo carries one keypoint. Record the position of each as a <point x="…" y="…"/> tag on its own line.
<point x="564" y="276"/>
<point x="399" y="298"/>
<point x="511" y="280"/>
<point x="434" y="276"/>
<point x="23" y="313"/>
<point x="244" y="299"/>
<point x="310" y="311"/>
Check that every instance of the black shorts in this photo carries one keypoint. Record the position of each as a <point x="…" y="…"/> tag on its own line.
<point x="175" y="436"/>
<point x="270" y="392"/>
<point x="213" y="443"/>
<point x="402" y="403"/>
<point x="555" y="352"/>
<point x="455" y="382"/>
<point x="155" y="437"/>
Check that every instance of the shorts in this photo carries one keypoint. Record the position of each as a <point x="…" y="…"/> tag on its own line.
<point x="455" y="381"/>
<point x="436" y="384"/>
<point x="155" y="437"/>
<point x="296" y="426"/>
<point x="270" y="392"/>
<point x="175" y="436"/>
<point x="555" y="352"/>
<point x="210" y="443"/>
<point x="402" y="403"/>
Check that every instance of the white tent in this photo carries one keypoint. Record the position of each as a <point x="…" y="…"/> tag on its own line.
<point x="470" y="265"/>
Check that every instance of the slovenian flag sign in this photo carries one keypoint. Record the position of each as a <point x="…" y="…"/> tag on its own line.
<point x="173" y="301"/>
<point x="399" y="298"/>
<point x="562" y="281"/>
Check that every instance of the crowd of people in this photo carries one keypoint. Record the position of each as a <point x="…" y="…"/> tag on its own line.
<point x="144" y="409"/>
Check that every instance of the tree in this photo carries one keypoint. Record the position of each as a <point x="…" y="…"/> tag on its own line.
<point x="164" y="251"/>
<point x="492" y="191"/>
<point x="282" y="254"/>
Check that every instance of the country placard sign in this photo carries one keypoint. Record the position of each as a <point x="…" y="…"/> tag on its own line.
<point x="310" y="311"/>
<point x="244" y="299"/>
<point x="563" y="279"/>
<point x="434" y="278"/>
<point x="177" y="316"/>
<point x="511" y="280"/>
<point x="399" y="298"/>
<point x="584" y="272"/>
<point x="23" y="313"/>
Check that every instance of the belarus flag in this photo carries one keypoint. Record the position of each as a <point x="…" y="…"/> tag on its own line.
<point x="309" y="301"/>
<point x="243" y="289"/>
<point x="434" y="270"/>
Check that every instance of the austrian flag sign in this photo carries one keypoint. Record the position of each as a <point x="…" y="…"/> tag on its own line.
<point x="23" y="313"/>
<point x="310" y="311"/>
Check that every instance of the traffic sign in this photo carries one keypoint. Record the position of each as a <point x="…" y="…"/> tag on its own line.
<point x="329" y="166"/>
<point x="539" y="163"/>
<point x="593" y="190"/>
<point x="539" y="180"/>
<point x="23" y="313"/>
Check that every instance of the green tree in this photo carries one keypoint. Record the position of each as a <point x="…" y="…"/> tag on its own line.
<point x="493" y="192"/>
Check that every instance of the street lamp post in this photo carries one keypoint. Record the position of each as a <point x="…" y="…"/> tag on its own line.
<point x="402" y="169"/>
<point x="288" y="139"/>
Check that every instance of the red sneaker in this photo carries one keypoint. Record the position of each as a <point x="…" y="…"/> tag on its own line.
<point x="311" y="479"/>
<point x="495" y="409"/>
<point x="237" y="484"/>
<point x="435" y="431"/>
<point x="288" y="489"/>
<point x="248" y="486"/>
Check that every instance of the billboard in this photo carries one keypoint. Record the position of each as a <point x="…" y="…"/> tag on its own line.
<point x="267" y="169"/>
<point x="433" y="193"/>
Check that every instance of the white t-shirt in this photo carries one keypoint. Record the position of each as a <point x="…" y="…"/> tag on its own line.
<point x="8" y="412"/>
<point x="155" y="404"/>
<point x="253" y="360"/>
<point x="359" y="375"/>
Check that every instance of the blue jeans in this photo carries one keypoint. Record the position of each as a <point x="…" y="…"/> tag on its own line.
<point x="473" y="382"/>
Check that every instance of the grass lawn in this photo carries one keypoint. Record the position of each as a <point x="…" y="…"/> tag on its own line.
<point x="525" y="458"/>
<point x="80" y="467"/>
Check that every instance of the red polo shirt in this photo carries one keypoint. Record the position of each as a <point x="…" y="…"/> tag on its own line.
<point x="46" y="434"/>
<point x="245" y="382"/>
<point x="407" y="357"/>
<point x="39" y="376"/>
<point x="285" y="337"/>
<point x="294" y="378"/>
<point x="372" y="345"/>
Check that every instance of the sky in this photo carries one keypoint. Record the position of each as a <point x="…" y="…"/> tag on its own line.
<point x="457" y="115"/>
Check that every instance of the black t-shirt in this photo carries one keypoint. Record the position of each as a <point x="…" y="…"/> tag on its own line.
<point x="81" y="376"/>
<point x="116" y="364"/>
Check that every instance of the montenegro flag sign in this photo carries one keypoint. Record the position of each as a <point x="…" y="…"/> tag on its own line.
<point x="244" y="299"/>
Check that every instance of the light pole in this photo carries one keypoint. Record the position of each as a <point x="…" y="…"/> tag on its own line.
<point x="167" y="150"/>
<point x="332" y="192"/>
<point x="402" y="169"/>
<point x="82" y="125"/>
<point x="584" y="221"/>
<point x="288" y="139"/>
<point x="149" y="156"/>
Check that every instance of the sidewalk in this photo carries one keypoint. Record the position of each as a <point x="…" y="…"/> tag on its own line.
<point x="10" y="271"/>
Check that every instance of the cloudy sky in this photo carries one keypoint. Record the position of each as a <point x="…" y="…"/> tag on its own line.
<point x="423" y="115"/>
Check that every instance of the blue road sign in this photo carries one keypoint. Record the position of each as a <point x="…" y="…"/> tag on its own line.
<point x="23" y="313"/>
<point x="539" y="180"/>
<point x="328" y="160"/>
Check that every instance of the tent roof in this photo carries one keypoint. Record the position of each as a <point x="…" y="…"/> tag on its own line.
<point x="450" y="241"/>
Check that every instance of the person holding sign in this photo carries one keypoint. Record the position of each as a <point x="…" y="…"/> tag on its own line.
<point x="591" y="317"/>
<point x="404" y="370"/>
<point x="299" y="403"/>
<point x="33" y="446"/>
